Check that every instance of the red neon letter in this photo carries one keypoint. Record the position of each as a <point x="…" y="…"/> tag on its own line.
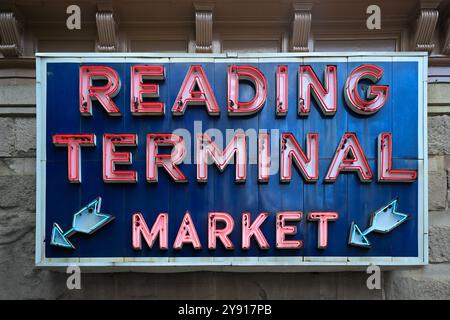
<point x="195" y="90"/>
<point x="326" y="98"/>
<point x="223" y="233"/>
<point x="283" y="230"/>
<point x="252" y="74"/>
<point x="323" y="218"/>
<point x="187" y="234"/>
<point x="349" y="157"/>
<point x="103" y="94"/>
<point x="73" y="142"/>
<point x="282" y="90"/>
<point x="250" y="230"/>
<point x="237" y="146"/>
<point x="140" y="90"/>
<point x="385" y="171"/>
<point x="160" y="227"/>
<point x="290" y="150"/>
<point x="377" y="95"/>
<point x="167" y="161"/>
<point x="263" y="157"/>
<point x="111" y="157"/>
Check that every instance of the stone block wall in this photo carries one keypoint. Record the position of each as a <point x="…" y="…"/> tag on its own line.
<point x="19" y="278"/>
<point x="432" y="281"/>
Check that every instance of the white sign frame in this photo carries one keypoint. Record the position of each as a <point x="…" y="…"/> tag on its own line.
<point x="284" y="264"/>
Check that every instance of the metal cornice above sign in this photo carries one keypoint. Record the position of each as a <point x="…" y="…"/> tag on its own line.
<point x="257" y="162"/>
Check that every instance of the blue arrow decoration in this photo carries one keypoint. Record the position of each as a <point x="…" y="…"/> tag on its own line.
<point x="86" y="220"/>
<point x="383" y="220"/>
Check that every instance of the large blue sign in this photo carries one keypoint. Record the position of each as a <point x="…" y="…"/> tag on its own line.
<point x="253" y="161"/>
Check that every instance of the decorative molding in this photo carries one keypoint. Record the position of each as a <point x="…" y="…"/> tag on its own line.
<point x="203" y="27"/>
<point x="301" y="27"/>
<point x="446" y="44"/>
<point x="107" y="31"/>
<point x="10" y="35"/>
<point x="438" y="61"/>
<point x="20" y="111"/>
<point x="438" y="110"/>
<point x="425" y="26"/>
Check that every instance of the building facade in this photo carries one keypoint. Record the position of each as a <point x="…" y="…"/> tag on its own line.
<point x="184" y="26"/>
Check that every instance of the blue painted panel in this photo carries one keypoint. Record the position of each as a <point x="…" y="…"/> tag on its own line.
<point x="100" y="122"/>
<point x="353" y="200"/>
<point x="405" y="111"/>
<point x="64" y="199"/>
<point x="275" y="196"/>
<point x="404" y="239"/>
<point x="364" y="199"/>
<point x="142" y="125"/>
<point x="330" y="128"/>
<point x="63" y="114"/>
<point x="321" y="197"/>
<point x="368" y="128"/>
<point x="243" y="197"/>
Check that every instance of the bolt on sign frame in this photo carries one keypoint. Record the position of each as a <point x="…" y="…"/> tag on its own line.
<point x="339" y="182"/>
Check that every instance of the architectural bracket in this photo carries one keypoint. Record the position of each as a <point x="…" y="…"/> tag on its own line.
<point x="301" y="26"/>
<point x="203" y="27"/>
<point x="425" y="26"/>
<point x="107" y="31"/>
<point x="445" y="28"/>
<point x="10" y="34"/>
